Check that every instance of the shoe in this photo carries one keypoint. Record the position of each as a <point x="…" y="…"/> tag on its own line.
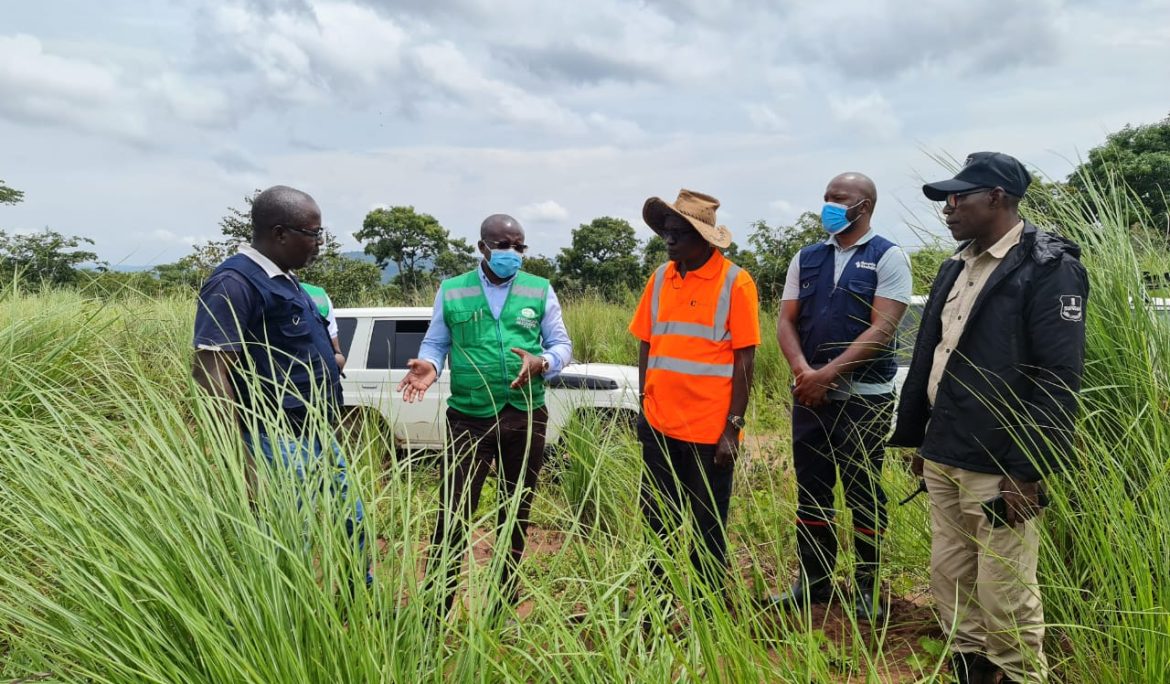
<point x="816" y="548"/>
<point x="802" y="594"/>
<point x="868" y="603"/>
<point x="972" y="668"/>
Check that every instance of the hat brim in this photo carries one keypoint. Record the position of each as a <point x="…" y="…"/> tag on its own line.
<point x="656" y="209"/>
<point x="937" y="192"/>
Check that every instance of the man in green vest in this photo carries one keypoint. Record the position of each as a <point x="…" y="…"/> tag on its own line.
<point x="501" y="330"/>
<point x="325" y="306"/>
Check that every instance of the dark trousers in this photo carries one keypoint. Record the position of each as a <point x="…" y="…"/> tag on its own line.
<point x="681" y="480"/>
<point x="848" y="436"/>
<point x="513" y="442"/>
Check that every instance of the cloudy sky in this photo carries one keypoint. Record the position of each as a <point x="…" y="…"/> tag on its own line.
<point x="137" y="122"/>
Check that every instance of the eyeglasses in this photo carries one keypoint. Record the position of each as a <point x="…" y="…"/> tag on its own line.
<point x="318" y="235"/>
<point x="519" y="247"/>
<point x="953" y="198"/>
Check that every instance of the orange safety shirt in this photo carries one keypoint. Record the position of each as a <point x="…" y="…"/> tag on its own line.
<point x="693" y="325"/>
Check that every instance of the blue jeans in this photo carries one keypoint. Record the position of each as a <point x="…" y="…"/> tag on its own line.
<point x="300" y="454"/>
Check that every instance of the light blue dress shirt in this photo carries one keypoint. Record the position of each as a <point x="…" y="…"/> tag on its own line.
<point x="558" y="348"/>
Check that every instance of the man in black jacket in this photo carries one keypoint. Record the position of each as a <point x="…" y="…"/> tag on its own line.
<point x="989" y="402"/>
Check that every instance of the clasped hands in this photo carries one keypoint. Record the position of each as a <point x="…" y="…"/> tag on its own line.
<point x="813" y="385"/>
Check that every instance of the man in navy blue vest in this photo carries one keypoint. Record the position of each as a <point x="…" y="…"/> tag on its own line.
<point x="842" y="302"/>
<point x="262" y="345"/>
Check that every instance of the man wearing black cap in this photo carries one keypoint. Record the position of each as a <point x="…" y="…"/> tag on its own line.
<point x="989" y="402"/>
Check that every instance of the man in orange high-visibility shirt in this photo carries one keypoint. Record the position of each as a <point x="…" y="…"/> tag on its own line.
<point x="699" y="325"/>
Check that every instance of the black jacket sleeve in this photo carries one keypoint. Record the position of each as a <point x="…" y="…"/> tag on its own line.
<point x="913" y="405"/>
<point x="1055" y="329"/>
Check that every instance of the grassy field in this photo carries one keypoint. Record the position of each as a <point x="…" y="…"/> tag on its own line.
<point x="129" y="551"/>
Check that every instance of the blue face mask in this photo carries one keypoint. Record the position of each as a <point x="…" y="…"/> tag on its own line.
<point x="834" y="217"/>
<point x="505" y="262"/>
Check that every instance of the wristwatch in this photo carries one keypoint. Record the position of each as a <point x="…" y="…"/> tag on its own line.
<point x="544" y="365"/>
<point x="737" y="421"/>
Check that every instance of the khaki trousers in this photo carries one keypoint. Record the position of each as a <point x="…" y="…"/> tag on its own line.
<point x="984" y="578"/>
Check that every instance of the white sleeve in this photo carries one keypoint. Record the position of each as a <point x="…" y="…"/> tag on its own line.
<point x="331" y="318"/>
<point x="893" y="276"/>
<point x="792" y="280"/>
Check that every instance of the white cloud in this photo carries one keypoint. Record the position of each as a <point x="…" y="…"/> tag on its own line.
<point x="782" y="206"/>
<point x="543" y="212"/>
<point x="307" y="54"/>
<point x="508" y="103"/>
<point x="872" y="115"/>
<point x="446" y="67"/>
<point x="39" y="88"/>
<point x="199" y="104"/>
<point x="765" y="119"/>
<point x="875" y="39"/>
<point x="169" y="237"/>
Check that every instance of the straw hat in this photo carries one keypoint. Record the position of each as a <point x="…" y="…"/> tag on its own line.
<point x="698" y="210"/>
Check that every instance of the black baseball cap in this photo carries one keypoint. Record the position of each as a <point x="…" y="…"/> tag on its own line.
<point x="983" y="170"/>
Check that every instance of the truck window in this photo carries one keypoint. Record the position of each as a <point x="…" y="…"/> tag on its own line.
<point x="345" y="328"/>
<point x="907" y="333"/>
<point x="380" y="339"/>
<point x="408" y="337"/>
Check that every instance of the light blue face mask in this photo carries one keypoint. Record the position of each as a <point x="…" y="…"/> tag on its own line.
<point x="834" y="217"/>
<point x="505" y="262"/>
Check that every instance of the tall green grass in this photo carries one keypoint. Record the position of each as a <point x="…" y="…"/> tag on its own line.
<point x="129" y="550"/>
<point x="1106" y="559"/>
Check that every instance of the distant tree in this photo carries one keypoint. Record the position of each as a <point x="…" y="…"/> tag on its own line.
<point x="1139" y="156"/>
<point x="190" y="271"/>
<point x="540" y="266"/>
<point x="10" y="195"/>
<point x="346" y="280"/>
<point x="44" y="258"/>
<point x="774" y="248"/>
<point x="459" y="257"/>
<point x="1047" y="202"/>
<point x="653" y="255"/>
<point x="602" y="259"/>
<point x="237" y="224"/>
<point x="179" y="275"/>
<point x="409" y="240"/>
<point x="744" y="258"/>
<point x="924" y="264"/>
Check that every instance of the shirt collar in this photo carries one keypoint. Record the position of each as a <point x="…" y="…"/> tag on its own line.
<point x="869" y="235"/>
<point x="707" y="271"/>
<point x="263" y="262"/>
<point x="997" y="251"/>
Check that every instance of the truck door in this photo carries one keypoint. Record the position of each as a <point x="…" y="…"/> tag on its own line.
<point x="391" y="344"/>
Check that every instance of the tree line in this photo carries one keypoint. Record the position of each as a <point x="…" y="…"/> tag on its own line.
<point x="604" y="259"/>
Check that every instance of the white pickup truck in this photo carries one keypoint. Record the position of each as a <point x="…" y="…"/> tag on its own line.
<point x="377" y="343"/>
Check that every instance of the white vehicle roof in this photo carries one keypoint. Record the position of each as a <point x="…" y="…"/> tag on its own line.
<point x="414" y="312"/>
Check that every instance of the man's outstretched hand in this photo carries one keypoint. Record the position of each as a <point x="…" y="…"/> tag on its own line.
<point x="530" y="367"/>
<point x="421" y="376"/>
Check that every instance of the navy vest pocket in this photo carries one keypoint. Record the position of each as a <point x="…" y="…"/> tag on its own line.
<point x="808" y="281"/>
<point x="862" y="286"/>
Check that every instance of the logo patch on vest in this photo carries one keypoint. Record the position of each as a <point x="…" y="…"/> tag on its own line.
<point x="527" y="318"/>
<point x="867" y="265"/>
<point x="1071" y="307"/>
